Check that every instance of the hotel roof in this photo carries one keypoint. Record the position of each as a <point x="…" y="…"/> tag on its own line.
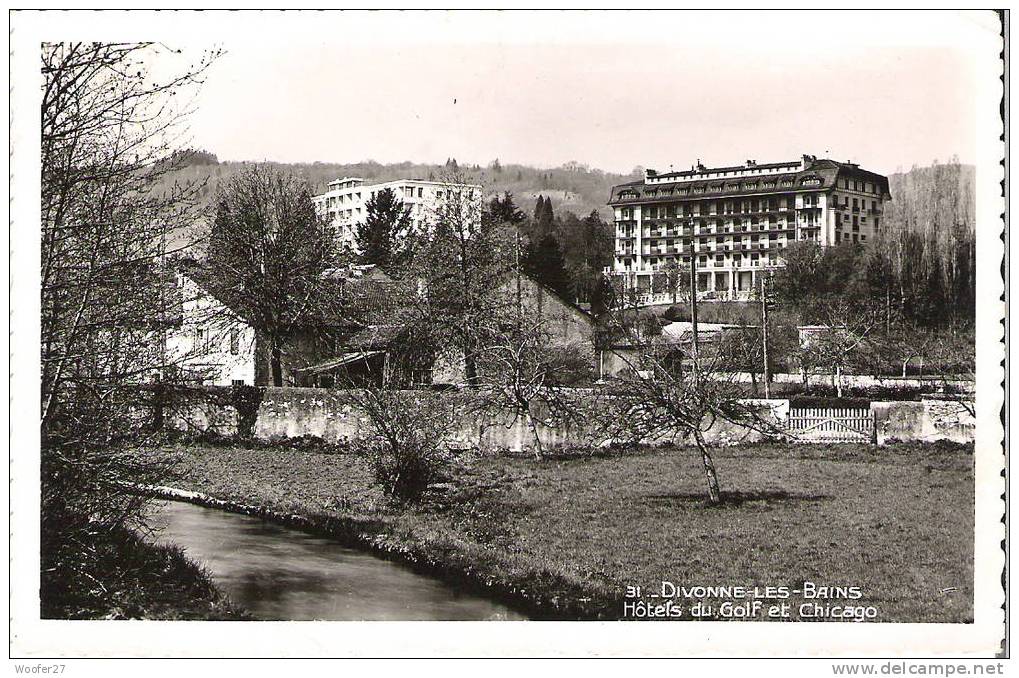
<point x="811" y="175"/>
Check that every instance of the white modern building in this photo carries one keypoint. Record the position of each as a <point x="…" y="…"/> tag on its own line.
<point x="345" y="203"/>
<point x="737" y="220"/>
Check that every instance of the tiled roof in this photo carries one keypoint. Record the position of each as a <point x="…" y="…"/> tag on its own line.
<point x="374" y="337"/>
<point x="362" y="301"/>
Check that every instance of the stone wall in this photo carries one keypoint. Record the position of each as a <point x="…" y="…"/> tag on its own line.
<point x="203" y="409"/>
<point x="331" y="415"/>
<point x="927" y="420"/>
<point x="294" y="412"/>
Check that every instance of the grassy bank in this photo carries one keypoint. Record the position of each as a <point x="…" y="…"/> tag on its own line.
<point x="140" y="581"/>
<point x="565" y="537"/>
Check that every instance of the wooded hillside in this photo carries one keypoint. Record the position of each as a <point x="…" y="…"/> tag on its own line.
<point x="574" y="187"/>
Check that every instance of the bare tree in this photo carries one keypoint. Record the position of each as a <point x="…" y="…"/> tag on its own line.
<point x="526" y="367"/>
<point x="409" y="438"/>
<point x="905" y="344"/>
<point x="111" y="130"/>
<point x="456" y="260"/>
<point x="665" y="397"/>
<point x="844" y="339"/>
<point x="269" y="253"/>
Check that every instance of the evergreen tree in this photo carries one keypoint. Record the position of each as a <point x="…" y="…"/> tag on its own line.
<point x="548" y="217"/>
<point x="544" y="219"/>
<point x="504" y="210"/>
<point x="543" y="260"/>
<point x="382" y="238"/>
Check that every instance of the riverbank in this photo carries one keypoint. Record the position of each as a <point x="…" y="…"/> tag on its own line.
<point x="141" y="581"/>
<point x="563" y="538"/>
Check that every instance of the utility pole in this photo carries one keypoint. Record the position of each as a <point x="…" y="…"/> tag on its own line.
<point x="693" y="314"/>
<point x="764" y="331"/>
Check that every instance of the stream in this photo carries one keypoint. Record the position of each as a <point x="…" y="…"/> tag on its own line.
<point x="278" y="573"/>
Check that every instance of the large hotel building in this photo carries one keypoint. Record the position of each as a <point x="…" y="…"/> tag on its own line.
<point x="345" y="203"/>
<point x="737" y="220"/>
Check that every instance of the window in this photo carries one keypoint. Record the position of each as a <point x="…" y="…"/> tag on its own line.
<point x="235" y="341"/>
<point x="421" y="192"/>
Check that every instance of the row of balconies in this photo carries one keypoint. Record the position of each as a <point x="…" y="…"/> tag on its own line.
<point x="723" y="213"/>
<point x="712" y="264"/>
<point x="628" y="227"/>
<point x="688" y="233"/>
<point x="789" y="231"/>
<point x="859" y="210"/>
<point x="658" y="232"/>
<point x="661" y="242"/>
<point x="763" y="209"/>
<point x="713" y="248"/>
<point x="728" y="213"/>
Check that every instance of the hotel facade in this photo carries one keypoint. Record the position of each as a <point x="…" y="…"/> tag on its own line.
<point x="345" y="204"/>
<point x="735" y="221"/>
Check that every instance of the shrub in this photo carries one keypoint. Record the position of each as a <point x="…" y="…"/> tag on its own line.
<point x="407" y="442"/>
<point x="246" y="400"/>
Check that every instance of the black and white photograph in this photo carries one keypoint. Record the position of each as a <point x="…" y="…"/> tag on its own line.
<point x="444" y="316"/>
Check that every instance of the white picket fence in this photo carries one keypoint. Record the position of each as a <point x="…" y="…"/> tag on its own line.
<point x="831" y="425"/>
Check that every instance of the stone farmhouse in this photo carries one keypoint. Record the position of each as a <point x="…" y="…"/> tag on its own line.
<point x="213" y="344"/>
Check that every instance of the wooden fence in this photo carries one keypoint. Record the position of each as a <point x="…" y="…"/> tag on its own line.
<point x="832" y="425"/>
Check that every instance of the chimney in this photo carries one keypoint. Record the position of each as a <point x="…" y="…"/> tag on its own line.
<point x="751" y="163"/>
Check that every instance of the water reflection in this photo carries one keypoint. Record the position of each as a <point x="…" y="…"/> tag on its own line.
<point x="278" y="573"/>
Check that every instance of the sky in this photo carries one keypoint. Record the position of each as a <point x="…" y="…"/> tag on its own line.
<point x="610" y="90"/>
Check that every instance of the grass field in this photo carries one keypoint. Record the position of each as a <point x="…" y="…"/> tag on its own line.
<point x="897" y="522"/>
